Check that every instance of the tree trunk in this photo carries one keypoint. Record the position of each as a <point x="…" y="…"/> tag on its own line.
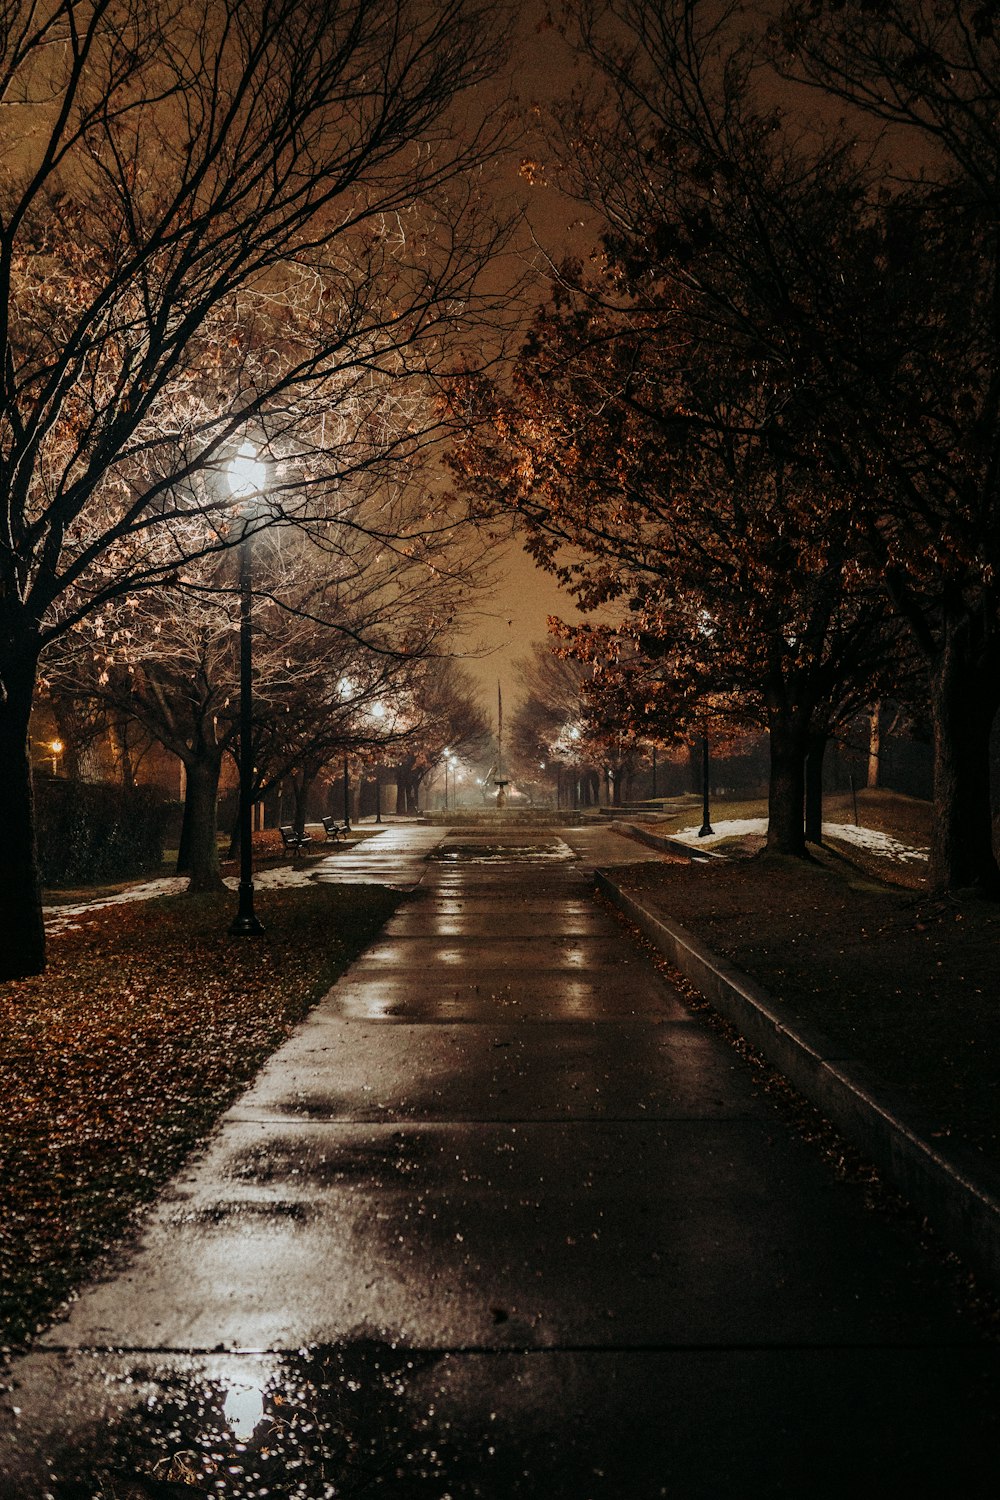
<point x="201" y="815"/>
<point x="964" y="697"/>
<point x="875" y="747"/>
<point x="118" y="729"/>
<point x="184" y="842"/>
<point x="301" y="787"/>
<point x="22" y="934"/>
<point x="694" y="766"/>
<point x="787" y="784"/>
<point x="814" y="788"/>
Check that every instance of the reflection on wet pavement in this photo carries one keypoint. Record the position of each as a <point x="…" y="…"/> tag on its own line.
<point x="315" y="1423"/>
<point x="503" y="1221"/>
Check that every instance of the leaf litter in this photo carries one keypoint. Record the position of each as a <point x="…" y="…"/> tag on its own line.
<point x="149" y="1020"/>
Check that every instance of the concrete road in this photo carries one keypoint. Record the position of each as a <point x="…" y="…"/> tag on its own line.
<point x="505" y="1219"/>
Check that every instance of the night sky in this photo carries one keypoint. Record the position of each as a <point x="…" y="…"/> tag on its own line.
<point x="515" y="613"/>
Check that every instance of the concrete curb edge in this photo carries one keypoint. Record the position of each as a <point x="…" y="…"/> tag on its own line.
<point x="661" y="841"/>
<point x="958" y="1193"/>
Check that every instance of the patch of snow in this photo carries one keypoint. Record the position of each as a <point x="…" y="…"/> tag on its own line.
<point x="283" y="875"/>
<point x="863" y="838"/>
<point x="874" y="841"/>
<point x="61" y="918"/>
<point x="733" y="828"/>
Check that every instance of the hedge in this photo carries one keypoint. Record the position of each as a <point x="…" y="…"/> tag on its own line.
<point x="91" y="831"/>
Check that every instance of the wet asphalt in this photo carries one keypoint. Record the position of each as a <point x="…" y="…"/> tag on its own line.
<point x="505" y="1218"/>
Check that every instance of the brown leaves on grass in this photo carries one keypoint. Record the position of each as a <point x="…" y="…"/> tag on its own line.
<point x="148" y="1021"/>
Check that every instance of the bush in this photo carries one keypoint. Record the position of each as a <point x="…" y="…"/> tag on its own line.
<point x="92" y="832"/>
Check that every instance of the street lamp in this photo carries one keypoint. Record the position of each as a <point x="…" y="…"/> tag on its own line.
<point x="56" y="746"/>
<point x="347" y="796"/>
<point x="706" y="830"/>
<point x="246" y="479"/>
<point x="378" y="714"/>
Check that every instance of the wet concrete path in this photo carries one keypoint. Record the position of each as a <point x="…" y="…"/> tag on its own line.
<point x="504" y="1218"/>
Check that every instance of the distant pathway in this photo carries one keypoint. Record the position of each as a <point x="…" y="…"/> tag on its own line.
<point x="505" y="1219"/>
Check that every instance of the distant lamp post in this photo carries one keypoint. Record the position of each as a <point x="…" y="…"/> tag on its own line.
<point x="706" y="830"/>
<point x="573" y="734"/>
<point x="449" y="760"/>
<point x="57" y="747"/>
<point x="378" y="714"/>
<point x="345" y="687"/>
<point x="347" y="797"/>
<point x="246" y="479"/>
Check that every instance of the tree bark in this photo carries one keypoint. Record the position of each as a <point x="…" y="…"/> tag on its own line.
<point x="201" y="815"/>
<point x="964" y="696"/>
<point x="184" y="842"/>
<point x="302" y="785"/>
<point x="22" y="934"/>
<point x="814" y="788"/>
<point x="875" y="747"/>
<point x="787" y="784"/>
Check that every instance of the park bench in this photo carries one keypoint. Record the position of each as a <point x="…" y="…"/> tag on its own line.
<point x="334" y="830"/>
<point x="294" y="841"/>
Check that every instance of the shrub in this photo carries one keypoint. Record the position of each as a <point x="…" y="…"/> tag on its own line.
<point x="93" y="831"/>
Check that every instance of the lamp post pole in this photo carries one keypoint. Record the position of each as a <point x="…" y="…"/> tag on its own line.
<point x="347" y="797"/>
<point x="706" y="830"/>
<point x="246" y="923"/>
<point x="378" y="794"/>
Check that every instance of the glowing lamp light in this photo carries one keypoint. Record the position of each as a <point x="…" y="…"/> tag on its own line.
<point x="243" y="1409"/>
<point x="246" y="472"/>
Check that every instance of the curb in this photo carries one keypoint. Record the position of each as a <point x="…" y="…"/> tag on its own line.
<point x="662" y="841"/>
<point x="954" y="1189"/>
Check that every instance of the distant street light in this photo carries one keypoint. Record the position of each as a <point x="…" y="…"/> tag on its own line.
<point x="56" y="746"/>
<point x="246" y="480"/>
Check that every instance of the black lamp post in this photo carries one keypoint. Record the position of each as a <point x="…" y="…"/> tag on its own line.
<point x="246" y="478"/>
<point x="706" y="830"/>
<point x="347" y="798"/>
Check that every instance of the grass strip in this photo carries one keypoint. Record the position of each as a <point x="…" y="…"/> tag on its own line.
<point x="904" y="981"/>
<point x="148" y="1022"/>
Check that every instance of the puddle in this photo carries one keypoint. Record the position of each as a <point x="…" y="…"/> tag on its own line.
<point x="470" y="852"/>
<point x="374" y="1162"/>
<point x="318" y="1424"/>
<point x="250" y="1211"/>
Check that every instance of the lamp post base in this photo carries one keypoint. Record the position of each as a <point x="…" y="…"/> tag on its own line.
<point x="706" y="831"/>
<point x="246" y="923"/>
